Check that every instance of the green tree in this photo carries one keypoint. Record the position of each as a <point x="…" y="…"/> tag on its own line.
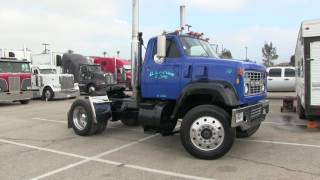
<point x="269" y="53"/>
<point x="226" y="54"/>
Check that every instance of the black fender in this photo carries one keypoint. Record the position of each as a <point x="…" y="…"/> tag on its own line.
<point x="221" y="89"/>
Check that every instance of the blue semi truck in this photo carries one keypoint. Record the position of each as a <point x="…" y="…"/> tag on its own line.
<point x="182" y="79"/>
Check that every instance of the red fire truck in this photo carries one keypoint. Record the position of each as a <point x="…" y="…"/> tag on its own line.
<point x="15" y="81"/>
<point x="119" y="67"/>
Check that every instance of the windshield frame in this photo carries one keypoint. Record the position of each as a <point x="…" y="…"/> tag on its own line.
<point x="205" y="45"/>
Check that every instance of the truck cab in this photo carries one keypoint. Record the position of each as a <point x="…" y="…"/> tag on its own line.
<point x="48" y="84"/>
<point x="89" y="76"/>
<point x="120" y="68"/>
<point x="15" y="81"/>
<point x="181" y="79"/>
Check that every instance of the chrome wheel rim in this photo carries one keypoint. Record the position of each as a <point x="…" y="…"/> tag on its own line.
<point x="92" y="89"/>
<point x="80" y="118"/>
<point x="207" y="133"/>
<point x="47" y="94"/>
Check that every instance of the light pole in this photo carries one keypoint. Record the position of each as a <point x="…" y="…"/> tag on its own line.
<point x="246" y="52"/>
<point x="45" y="47"/>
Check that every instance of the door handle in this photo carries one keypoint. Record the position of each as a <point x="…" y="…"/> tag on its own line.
<point x="270" y="79"/>
<point x="286" y="79"/>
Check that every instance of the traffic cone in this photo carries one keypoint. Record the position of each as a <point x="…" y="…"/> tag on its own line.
<point x="312" y="124"/>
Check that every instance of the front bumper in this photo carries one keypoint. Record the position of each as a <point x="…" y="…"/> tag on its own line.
<point x="15" y="96"/>
<point x="63" y="94"/>
<point x="249" y="116"/>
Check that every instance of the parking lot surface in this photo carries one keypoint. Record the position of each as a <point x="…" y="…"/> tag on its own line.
<point x="35" y="143"/>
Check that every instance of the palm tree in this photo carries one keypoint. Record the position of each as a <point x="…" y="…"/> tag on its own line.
<point x="269" y="54"/>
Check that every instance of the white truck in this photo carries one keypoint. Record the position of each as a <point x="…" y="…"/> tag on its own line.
<point x="307" y="62"/>
<point x="47" y="84"/>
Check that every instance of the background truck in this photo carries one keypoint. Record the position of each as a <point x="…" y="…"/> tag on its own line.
<point x="182" y="79"/>
<point x="307" y="62"/>
<point x="120" y="68"/>
<point x="15" y="81"/>
<point x="89" y="75"/>
<point x="48" y="58"/>
<point x="281" y="79"/>
<point x="47" y="84"/>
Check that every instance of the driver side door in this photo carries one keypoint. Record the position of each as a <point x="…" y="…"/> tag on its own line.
<point x="163" y="80"/>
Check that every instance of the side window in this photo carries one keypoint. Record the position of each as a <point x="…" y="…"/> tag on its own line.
<point x="172" y="49"/>
<point x="289" y="73"/>
<point x="275" y="72"/>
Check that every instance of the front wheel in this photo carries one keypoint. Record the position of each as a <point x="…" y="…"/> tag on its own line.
<point x="206" y="132"/>
<point x="47" y="94"/>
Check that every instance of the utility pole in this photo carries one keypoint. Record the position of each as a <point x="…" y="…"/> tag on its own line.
<point x="246" y="52"/>
<point x="45" y="47"/>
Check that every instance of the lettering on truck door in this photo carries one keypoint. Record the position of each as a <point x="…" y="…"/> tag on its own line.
<point x="315" y="73"/>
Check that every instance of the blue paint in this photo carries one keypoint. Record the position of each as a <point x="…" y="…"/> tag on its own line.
<point x="167" y="80"/>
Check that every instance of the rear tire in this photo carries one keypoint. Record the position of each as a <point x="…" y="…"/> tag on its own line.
<point x="206" y="132"/>
<point x="81" y="118"/>
<point x="247" y="133"/>
<point x="101" y="127"/>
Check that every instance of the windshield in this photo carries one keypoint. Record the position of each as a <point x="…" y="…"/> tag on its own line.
<point x="197" y="47"/>
<point x="93" y="68"/>
<point x="48" y="71"/>
<point x="14" y="67"/>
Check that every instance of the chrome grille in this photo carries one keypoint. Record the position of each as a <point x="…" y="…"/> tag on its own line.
<point x="67" y="82"/>
<point x="14" y="84"/>
<point x="255" y="81"/>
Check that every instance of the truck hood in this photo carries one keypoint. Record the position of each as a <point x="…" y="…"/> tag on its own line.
<point x="230" y="63"/>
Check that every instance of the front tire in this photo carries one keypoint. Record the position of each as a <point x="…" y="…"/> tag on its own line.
<point x="91" y="89"/>
<point x="206" y="132"/>
<point x="47" y="94"/>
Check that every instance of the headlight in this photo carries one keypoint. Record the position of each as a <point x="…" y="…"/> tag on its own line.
<point x="246" y="88"/>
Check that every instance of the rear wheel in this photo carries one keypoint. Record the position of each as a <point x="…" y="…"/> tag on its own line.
<point x="206" y="132"/>
<point x="81" y="118"/>
<point x="247" y="133"/>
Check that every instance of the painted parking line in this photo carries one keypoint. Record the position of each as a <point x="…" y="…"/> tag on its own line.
<point x="279" y="143"/>
<point x="49" y="120"/>
<point x="97" y="159"/>
<point x="65" y="122"/>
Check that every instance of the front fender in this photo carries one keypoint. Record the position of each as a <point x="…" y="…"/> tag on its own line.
<point x="221" y="89"/>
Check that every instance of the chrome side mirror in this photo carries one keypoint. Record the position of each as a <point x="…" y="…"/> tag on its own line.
<point x="161" y="49"/>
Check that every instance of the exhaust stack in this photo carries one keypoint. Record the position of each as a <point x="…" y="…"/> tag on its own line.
<point x="135" y="47"/>
<point x="182" y="17"/>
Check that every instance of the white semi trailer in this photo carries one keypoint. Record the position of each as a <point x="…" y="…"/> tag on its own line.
<point x="307" y="62"/>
